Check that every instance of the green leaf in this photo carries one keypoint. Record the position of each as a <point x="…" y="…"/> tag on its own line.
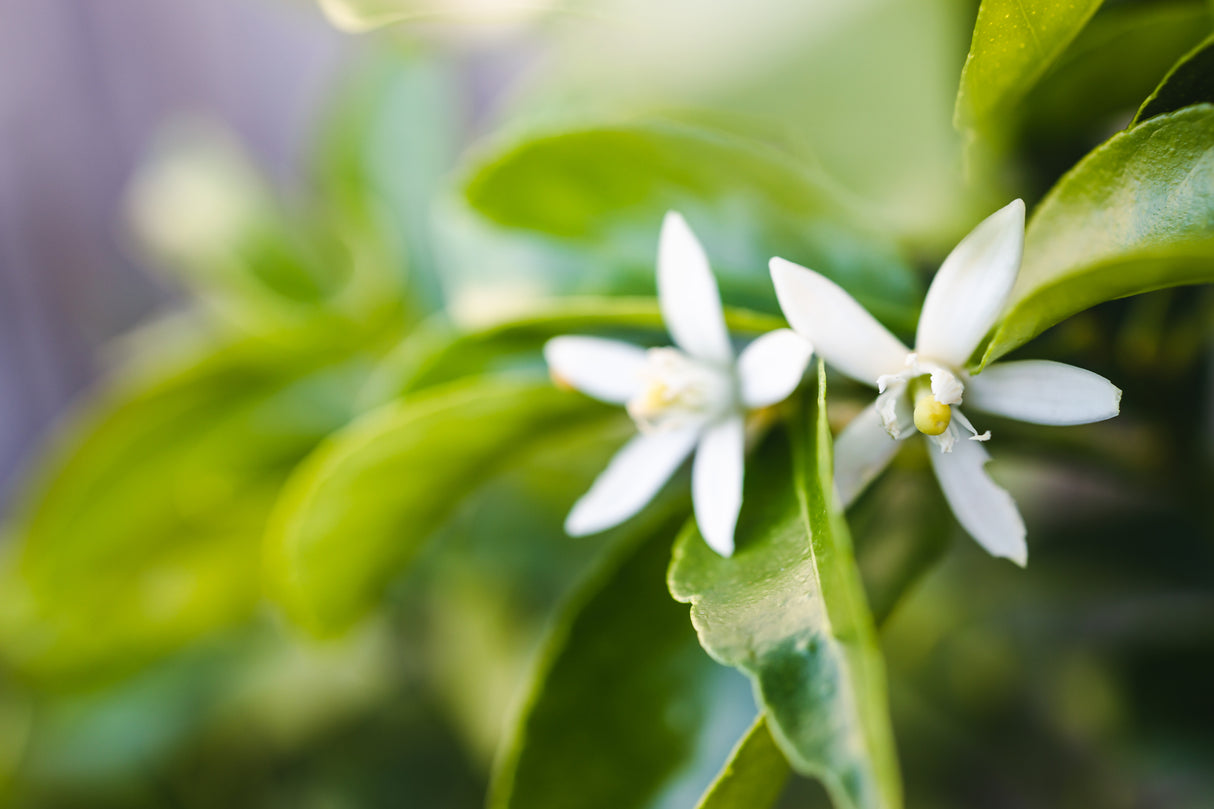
<point x="653" y="713"/>
<point x="441" y="354"/>
<point x="789" y="610"/>
<point x="1189" y="82"/>
<point x="363" y="15"/>
<point x="605" y="190"/>
<point x="142" y="530"/>
<point x="357" y="511"/>
<point x="754" y="776"/>
<point x="1137" y="214"/>
<point x="1014" y="42"/>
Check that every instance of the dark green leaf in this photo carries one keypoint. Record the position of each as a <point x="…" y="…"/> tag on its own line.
<point x="1014" y="42"/>
<point x="753" y="777"/>
<point x="605" y="190"/>
<point x="654" y="714"/>
<point x="1136" y="214"/>
<point x="1190" y="81"/>
<point x="358" y="510"/>
<point x="789" y="609"/>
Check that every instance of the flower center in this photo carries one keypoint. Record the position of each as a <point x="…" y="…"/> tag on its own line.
<point x="678" y="391"/>
<point x="932" y="416"/>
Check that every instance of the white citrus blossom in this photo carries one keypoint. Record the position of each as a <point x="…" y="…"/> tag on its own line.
<point x="923" y="389"/>
<point x="692" y="397"/>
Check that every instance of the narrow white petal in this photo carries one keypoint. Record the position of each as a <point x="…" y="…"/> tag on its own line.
<point x="605" y="369"/>
<point x="983" y="508"/>
<point x="1043" y="392"/>
<point x="688" y="294"/>
<point x="771" y="367"/>
<point x="840" y="330"/>
<point x="862" y="450"/>
<point x="716" y="482"/>
<point x="971" y="287"/>
<point x="630" y="481"/>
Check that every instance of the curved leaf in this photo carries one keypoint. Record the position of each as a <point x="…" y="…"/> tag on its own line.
<point x="355" y="513"/>
<point x="606" y="189"/>
<point x="1137" y="214"/>
<point x="443" y="355"/>
<point x="1190" y="81"/>
<point x="143" y="529"/>
<point x="789" y="610"/>
<point x="649" y="735"/>
<point x="1015" y="41"/>
<point x="754" y="776"/>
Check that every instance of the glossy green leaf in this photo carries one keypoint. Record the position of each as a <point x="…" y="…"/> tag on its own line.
<point x="356" y="512"/>
<point x="1014" y="42"/>
<point x="442" y="354"/>
<point x="1136" y="214"/>
<point x="789" y="610"/>
<point x="143" y="529"/>
<point x="754" y="776"/>
<point x="666" y="724"/>
<point x="1189" y="82"/>
<point x="605" y="190"/>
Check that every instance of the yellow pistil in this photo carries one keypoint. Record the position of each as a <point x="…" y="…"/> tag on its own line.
<point x="931" y="416"/>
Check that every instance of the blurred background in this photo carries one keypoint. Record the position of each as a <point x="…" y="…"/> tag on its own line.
<point x="228" y="228"/>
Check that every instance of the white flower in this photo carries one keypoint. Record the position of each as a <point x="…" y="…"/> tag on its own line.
<point x="693" y="397"/>
<point x="923" y="389"/>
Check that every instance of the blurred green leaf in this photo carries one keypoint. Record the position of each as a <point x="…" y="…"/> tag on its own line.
<point x="355" y="513"/>
<point x="1189" y="82"/>
<point x="143" y="528"/>
<point x="442" y="354"/>
<point x="755" y="775"/>
<point x="649" y="735"/>
<point x="607" y="188"/>
<point x="363" y="15"/>
<point x="789" y="610"/>
<point x="1136" y="214"/>
<point x="1094" y="86"/>
<point x="1015" y="42"/>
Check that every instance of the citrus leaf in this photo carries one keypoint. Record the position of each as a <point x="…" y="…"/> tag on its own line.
<point x="789" y="610"/>
<point x="355" y="513"/>
<point x="1014" y="42"/>
<point x="754" y="776"/>
<point x="605" y="190"/>
<point x="666" y="724"/>
<point x="1137" y="214"/>
<point x="1190" y="81"/>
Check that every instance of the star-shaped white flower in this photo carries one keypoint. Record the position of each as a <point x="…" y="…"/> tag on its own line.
<point x="923" y="389"/>
<point x="691" y="397"/>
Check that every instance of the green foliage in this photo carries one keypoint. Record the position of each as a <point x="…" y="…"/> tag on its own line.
<point x="1015" y="42"/>
<point x="1136" y="214"/>
<point x="789" y="610"/>
<point x="1190" y="81"/>
<point x="646" y="735"/>
<point x="357" y="512"/>
<point x="606" y="188"/>
<point x="755" y="775"/>
<point x="143" y="532"/>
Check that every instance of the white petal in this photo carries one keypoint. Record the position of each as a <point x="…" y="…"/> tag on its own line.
<point x="838" y="327"/>
<point x="605" y="369"/>
<point x="971" y="287"/>
<point x="862" y="450"/>
<point x="1043" y="392"/>
<point x="983" y="508"/>
<point x="771" y="367"/>
<point x="630" y="481"/>
<point x="716" y="482"/>
<point x="688" y="294"/>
